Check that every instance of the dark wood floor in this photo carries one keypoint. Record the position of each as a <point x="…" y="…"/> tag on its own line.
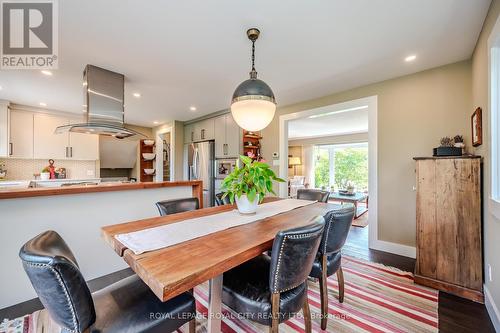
<point x="455" y="314"/>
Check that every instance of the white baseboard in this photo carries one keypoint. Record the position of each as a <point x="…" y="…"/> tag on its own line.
<point x="492" y="309"/>
<point x="395" y="248"/>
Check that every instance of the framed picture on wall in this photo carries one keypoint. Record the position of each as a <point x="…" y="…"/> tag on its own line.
<point x="477" y="127"/>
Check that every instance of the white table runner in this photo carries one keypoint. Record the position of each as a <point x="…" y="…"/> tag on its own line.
<point x="171" y="234"/>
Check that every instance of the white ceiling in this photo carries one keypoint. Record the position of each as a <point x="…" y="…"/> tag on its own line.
<point x="329" y="124"/>
<point x="195" y="52"/>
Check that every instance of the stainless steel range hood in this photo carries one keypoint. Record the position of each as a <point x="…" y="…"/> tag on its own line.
<point x="103" y="105"/>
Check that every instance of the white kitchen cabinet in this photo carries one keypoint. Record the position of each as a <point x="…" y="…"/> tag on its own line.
<point x="227" y="137"/>
<point x="47" y="144"/>
<point x="233" y="137"/>
<point x="83" y="146"/>
<point x="220" y="136"/>
<point x="21" y="134"/>
<point x="4" y="128"/>
<point x="206" y="129"/>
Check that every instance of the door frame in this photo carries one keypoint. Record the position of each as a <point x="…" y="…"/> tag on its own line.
<point x="159" y="152"/>
<point x="372" y="103"/>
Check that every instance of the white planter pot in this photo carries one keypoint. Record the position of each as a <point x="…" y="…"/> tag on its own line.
<point x="45" y="176"/>
<point x="245" y="206"/>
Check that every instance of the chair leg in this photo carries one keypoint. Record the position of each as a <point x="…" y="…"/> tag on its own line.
<point x="275" y="311"/>
<point x="340" y="279"/>
<point x="307" y="314"/>
<point x="192" y="326"/>
<point x="323" y="288"/>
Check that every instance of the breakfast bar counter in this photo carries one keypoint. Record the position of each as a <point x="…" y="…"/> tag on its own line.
<point x="11" y="193"/>
<point x="77" y="213"/>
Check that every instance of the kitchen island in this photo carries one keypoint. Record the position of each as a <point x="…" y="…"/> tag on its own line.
<point x="77" y="213"/>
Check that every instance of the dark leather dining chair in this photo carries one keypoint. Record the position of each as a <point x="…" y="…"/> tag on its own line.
<point x="125" y="306"/>
<point x="220" y="201"/>
<point x="328" y="260"/>
<point x="174" y="206"/>
<point x="311" y="194"/>
<point x="270" y="290"/>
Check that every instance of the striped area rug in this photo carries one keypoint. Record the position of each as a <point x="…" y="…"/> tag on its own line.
<point x="377" y="298"/>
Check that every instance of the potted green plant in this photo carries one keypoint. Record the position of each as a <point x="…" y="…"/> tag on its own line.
<point x="45" y="174"/>
<point x="248" y="185"/>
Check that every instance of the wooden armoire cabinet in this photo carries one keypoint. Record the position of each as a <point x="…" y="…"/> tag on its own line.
<point x="449" y="250"/>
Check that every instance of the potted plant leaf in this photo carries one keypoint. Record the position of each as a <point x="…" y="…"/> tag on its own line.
<point x="248" y="185"/>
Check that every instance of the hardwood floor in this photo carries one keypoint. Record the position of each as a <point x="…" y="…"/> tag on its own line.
<point x="455" y="314"/>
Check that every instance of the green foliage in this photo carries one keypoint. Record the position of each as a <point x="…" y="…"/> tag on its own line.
<point x="251" y="179"/>
<point x="351" y="164"/>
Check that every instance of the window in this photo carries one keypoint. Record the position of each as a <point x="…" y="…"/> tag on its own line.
<point x="339" y="165"/>
<point x="494" y="116"/>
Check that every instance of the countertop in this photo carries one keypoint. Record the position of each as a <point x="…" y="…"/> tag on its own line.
<point x="12" y="193"/>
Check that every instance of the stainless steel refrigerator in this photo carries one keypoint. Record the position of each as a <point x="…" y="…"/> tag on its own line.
<point x="201" y="164"/>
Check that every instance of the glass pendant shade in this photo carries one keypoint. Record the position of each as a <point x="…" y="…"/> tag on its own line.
<point x="253" y="105"/>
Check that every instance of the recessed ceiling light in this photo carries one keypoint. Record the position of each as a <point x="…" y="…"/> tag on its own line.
<point x="1" y="88"/>
<point x="42" y="104"/>
<point x="192" y="108"/>
<point x="410" y="58"/>
<point x="136" y="94"/>
<point x="45" y="72"/>
<point x="156" y="122"/>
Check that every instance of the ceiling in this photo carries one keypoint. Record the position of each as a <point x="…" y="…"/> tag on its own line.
<point x="186" y="53"/>
<point x="330" y="124"/>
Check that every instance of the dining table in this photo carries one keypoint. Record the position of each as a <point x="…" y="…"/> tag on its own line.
<point x="175" y="269"/>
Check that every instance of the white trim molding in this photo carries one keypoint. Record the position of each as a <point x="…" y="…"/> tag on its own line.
<point x="395" y="248"/>
<point x="492" y="308"/>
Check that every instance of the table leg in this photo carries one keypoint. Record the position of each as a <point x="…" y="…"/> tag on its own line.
<point x="214" y="305"/>
<point x="355" y="210"/>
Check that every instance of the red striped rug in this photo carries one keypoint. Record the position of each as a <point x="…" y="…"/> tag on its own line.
<point x="377" y="298"/>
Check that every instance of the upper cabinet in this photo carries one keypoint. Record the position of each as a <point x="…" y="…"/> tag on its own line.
<point x="83" y="146"/>
<point x="227" y="137"/>
<point x="200" y="131"/>
<point x="47" y="144"/>
<point x="31" y="135"/>
<point x="21" y="134"/>
<point x="189" y="133"/>
<point x="4" y="129"/>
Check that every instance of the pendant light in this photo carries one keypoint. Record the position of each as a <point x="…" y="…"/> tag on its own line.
<point x="253" y="104"/>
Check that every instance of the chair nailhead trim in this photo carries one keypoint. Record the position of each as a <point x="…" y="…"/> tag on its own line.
<point x="61" y="284"/>
<point x="300" y="236"/>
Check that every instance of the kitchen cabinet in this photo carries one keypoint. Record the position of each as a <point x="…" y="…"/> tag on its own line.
<point x="83" y="146"/>
<point x="4" y="129"/>
<point x="227" y="137"/>
<point x="199" y="131"/>
<point x="47" y="144"/>
<point x="21" y="134"/>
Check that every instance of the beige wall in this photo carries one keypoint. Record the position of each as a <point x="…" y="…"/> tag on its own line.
<point x="414" y="112"/>
<point x="491" y="226"/>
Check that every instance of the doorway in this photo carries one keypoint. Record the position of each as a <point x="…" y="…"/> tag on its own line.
<point x="370" y="105"/>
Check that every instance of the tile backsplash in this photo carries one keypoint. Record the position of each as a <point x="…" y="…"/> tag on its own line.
<point x="23" y="169"/>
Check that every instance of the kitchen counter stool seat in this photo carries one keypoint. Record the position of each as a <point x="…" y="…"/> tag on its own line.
<point x="127" y="306"/>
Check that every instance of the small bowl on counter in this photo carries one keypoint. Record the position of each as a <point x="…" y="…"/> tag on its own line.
<point x="149" y="142"/>
<point x="148" y="156"/>
<point x="149" y="171"/>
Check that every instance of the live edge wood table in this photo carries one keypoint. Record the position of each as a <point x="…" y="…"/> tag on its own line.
<point x="176" y="269"/>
